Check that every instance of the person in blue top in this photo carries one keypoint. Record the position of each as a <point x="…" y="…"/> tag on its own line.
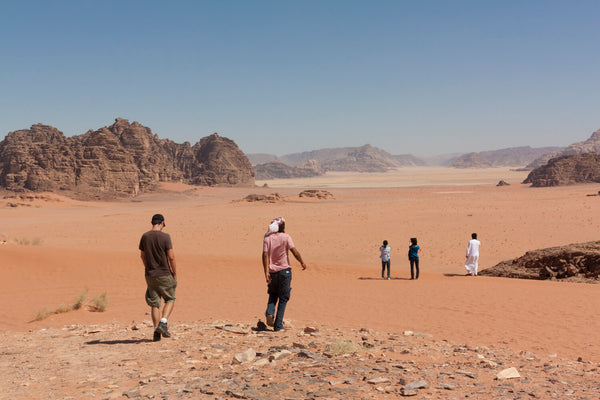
<point x="413" y="257"/>
<point x="385" y="259"/>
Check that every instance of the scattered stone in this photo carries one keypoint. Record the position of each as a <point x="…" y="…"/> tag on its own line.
<point x="508" y="373"/>
<point x="247" y="356"/>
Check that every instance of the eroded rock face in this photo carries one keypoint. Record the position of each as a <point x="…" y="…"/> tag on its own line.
<point x="566" y="170"/>
<point x="122" y="159"/>
<point x="279" y="170"/>
<point x="574" y="262"/>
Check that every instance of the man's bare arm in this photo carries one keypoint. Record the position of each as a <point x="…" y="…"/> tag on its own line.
<point x="265" y="262"/>
<point x="296" y="254"/>
<point x="172" y="263"/>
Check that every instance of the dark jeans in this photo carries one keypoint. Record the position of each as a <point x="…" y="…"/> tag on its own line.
<point x="385" y="264"/>
<point x="279" y="290"/>
<point x="414" y="262"/>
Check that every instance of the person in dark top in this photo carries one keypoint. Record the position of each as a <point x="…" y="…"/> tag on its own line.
<point x="156" y="251"/>
<point x="413" y="257"/>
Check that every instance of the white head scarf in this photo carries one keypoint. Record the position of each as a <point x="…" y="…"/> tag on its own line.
<point x="274" y="226"/>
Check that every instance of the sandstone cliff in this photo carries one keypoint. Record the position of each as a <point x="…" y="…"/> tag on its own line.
<point x="565" y="170"/>
<point x="122" y="159"/>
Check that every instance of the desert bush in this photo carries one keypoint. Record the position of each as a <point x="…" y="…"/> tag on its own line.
<point x="42" y="314"/>
<point x="80" y="299"/>
<point x="340" y="347"/>
<point x="100" y="302"/>
<point x="63" y="308"/>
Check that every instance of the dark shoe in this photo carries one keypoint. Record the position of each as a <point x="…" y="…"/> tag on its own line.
<point x="162" y="329"/>
<point x="156" y="337"/>
<point x="270" y="320"/>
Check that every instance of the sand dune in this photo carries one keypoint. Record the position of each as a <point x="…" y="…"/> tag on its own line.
<point x="218" y="244"/>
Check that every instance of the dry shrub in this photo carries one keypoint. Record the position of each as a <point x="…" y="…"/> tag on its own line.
<point x="80" y="299"/>
<point x="42" y="314"/>
<point x="100" y="302"/>
<point x="340" y="347"/>
<point x="63" y="308"/>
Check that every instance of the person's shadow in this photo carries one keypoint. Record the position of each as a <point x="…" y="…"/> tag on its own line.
<point x="122" y="341"/>
<point x="455" y="275"/>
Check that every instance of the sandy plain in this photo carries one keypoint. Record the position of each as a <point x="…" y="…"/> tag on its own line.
<point x="217" y="241"/>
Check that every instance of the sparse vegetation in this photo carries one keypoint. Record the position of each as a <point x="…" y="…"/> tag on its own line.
<point x="340" y="347"/>
<point x="36" y="241"/>
<point x="42" y="314"/>
<point x="80" y="299"/>
<point x="98" y="303"/>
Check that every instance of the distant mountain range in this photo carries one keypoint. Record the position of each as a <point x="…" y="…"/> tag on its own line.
<point x="368" y="158"/>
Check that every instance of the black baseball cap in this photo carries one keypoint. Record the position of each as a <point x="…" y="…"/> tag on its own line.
<point x="157" y="219"/>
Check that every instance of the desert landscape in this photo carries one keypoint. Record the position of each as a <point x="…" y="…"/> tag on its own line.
<point x="55" y="247"/>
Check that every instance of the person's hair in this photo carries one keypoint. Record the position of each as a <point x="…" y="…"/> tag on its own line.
<point x="413" y="241"/>
<point x="473" y="235"/>
<point x="157" y="219"/>
<point x="281" y="227"/>
<point x="385" y="242"/>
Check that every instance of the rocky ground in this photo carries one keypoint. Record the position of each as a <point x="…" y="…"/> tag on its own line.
<point x="234" y="361"/>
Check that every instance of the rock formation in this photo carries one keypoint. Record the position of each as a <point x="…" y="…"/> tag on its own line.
<point x="279" y="170"/>
<point x="591" y="145"/>
<point x="316" y="193"/>
<point x="565" y="170"/>
<point x="471" y="160"/>
<point x="574" y="262"/>
<point x="122" y="159"/>
<point x="357" y="159"/>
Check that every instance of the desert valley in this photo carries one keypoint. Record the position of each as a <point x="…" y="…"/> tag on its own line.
<point x="454" y="332"/>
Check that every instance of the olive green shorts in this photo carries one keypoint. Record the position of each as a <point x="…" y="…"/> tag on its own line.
<point x="160" y="287"/>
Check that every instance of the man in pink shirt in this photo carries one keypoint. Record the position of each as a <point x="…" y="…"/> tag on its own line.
<point x="278" y="272"/>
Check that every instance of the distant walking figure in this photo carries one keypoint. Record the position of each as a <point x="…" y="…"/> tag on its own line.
<point x="385" y="259"/>
<point x="472" y="255"/>
<point x="413" y="257"/>
<point x="277" y="269"/>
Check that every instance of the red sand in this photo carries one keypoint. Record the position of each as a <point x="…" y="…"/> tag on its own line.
<point x="218" y="245"/>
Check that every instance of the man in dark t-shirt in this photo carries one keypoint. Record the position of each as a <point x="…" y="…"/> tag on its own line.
<point x="156" y="251"/>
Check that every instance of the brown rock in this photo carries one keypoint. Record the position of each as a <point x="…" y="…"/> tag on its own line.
<point x="566" y="170"/>
<point x="123" y="159"/>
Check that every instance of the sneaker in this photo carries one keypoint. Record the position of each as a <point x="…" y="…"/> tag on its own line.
<point x="156" y="337"/>
<point x="162" y="329"/>
<point x="270" y="320"/>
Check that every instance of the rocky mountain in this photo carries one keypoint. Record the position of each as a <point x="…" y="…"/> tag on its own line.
<point x="574" y="262"/>
<point x="279" y="170"/>
<point x="122" y="159"/>
<point x="591" y="145"/>
<point x="471" y="160"/>
<point x="359" y="159"/>
<point x="510" y="157"/>
<point x="408" y="160"/>
<point x="565" y="170"/>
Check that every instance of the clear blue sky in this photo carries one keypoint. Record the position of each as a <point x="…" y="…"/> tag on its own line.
<point x="421" y="77"/>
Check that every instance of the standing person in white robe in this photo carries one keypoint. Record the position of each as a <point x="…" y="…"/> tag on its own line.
<point x="472" y="255"/>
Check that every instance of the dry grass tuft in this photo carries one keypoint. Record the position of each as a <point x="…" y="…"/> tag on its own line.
<point x="100" y="302"/>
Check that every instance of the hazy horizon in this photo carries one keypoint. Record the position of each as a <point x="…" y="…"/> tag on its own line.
<point x="423" y="78"/>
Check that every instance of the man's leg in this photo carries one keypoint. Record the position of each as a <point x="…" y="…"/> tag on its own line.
<point x="168" y="309"/>
<point x="284" y="295"/>
<point x="155" y="312"/>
